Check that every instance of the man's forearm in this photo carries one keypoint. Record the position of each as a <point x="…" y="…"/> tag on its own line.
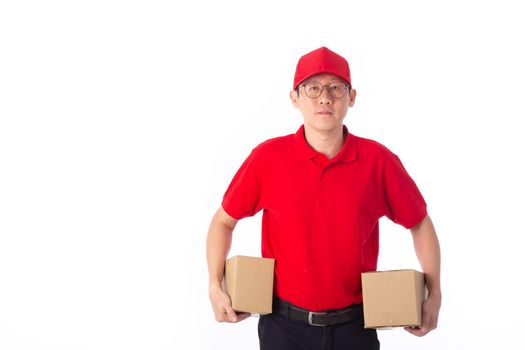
<point x="426" y="245"/>
<point x="427" y="249"/>
<point x="218" y="245"/>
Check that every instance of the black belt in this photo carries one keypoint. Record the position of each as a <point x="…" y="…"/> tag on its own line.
<point x="327" y="318"/>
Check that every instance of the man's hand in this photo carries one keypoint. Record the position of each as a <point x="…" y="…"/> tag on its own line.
<point x="222" y="307"/>
<point x="429" y="318"/>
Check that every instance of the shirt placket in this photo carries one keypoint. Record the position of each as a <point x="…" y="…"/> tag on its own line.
<point x="322" y="164"/>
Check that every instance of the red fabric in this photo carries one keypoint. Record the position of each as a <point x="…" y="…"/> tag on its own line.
<point x="320" y="216"/>
<point x="319" y="61"/>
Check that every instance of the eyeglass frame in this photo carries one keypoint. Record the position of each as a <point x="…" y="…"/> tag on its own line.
<point x="348" y="87"/>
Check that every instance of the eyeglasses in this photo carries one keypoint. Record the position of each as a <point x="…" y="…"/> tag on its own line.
<point x="336" y="89"/>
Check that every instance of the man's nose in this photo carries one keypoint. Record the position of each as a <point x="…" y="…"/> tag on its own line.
<point x="325" y="97"/>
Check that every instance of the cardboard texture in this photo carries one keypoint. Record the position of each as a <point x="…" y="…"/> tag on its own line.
<point x="393" y="298"/>
<point x="249" y="283"/>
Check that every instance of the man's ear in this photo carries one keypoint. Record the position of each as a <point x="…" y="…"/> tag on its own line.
<point x="294" y="98"/>
<point x="351" y="101"/>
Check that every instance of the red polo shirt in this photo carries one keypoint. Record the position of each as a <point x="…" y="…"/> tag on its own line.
<point x="320" y="216"/>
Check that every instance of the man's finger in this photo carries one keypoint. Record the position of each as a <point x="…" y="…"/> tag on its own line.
<point x="242" y="316"/>
<point x="417" y="331"/>
<point x="412" y="330"/>
<point x="221" y="316"/>
<point x="232" y="316"/>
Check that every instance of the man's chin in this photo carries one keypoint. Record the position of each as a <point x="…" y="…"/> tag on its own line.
<point x="325" y="126"/>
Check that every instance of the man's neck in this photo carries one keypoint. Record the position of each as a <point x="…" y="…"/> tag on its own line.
<point x="328" y="143"/>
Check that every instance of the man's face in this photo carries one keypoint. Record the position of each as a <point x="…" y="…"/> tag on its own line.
<point x="324" y="113"/>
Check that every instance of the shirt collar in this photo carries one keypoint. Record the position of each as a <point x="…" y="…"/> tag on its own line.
<point x="304" y="152"/>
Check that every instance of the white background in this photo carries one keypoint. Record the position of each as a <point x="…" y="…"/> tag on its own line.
<point x="122" y="123"/>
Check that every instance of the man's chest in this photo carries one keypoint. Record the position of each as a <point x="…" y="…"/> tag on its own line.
<point x="349" y="187"/>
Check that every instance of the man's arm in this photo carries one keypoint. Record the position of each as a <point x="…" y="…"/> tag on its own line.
<point x="218" y="245"/>
<point x="426" y="245"/>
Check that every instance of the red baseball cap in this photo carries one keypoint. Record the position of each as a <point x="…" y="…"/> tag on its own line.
<point x="318" y="61"/>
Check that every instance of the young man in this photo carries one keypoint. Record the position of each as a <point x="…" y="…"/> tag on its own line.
<point x="322" y="191"/>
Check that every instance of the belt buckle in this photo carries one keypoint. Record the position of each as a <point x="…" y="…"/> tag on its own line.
<point x="310" y="316"/>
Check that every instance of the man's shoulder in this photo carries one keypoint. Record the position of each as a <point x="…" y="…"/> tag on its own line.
<point x="372" y="147"/>
<point x="275" y="144"/>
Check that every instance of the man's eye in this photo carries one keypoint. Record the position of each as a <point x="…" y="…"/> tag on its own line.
<point x="313" y="88"/>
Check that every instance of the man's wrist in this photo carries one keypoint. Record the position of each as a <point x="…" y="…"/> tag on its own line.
<point x="214" y="286"/>
<point x="434" y="293"/>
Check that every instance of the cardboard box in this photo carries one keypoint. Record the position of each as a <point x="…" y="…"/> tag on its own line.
<point x="249" y="283"/>
<point x="393" y="298"/>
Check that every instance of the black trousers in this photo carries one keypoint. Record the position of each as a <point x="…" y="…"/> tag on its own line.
<point x="276" y="332"/>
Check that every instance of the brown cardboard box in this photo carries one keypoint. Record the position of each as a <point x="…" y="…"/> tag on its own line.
<point x="249" y="283"/>
<point x="393" y="298"/>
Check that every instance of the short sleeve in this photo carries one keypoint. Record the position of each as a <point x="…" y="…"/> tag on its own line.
<point x="403" y="201"/>
<point x="242" y="197"/>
